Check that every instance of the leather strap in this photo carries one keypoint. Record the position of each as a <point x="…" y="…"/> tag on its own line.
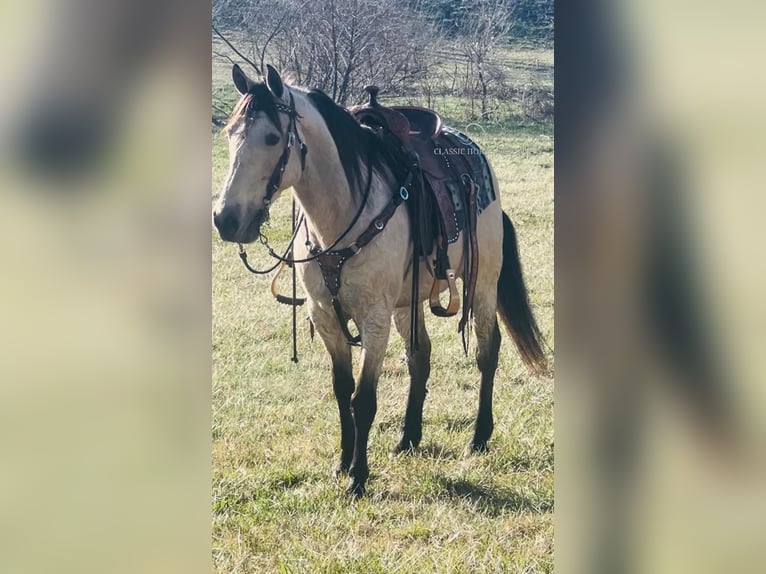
<point x="473" y="272"/>
<point x="380" y="222"/>
<point x="331" y="262"/>
<point x="292" y="136"/>
<point x="353" y="340"/>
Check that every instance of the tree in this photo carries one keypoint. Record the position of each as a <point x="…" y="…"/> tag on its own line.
<point x="338" y="45"/>
<point x="486" y="24"/>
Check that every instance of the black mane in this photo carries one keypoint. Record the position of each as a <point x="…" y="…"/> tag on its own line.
<point x="357" y="146"/>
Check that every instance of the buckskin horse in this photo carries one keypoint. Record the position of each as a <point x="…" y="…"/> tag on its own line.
<point x="382" y="192"/>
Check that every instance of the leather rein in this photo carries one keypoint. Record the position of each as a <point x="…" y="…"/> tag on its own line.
<point x="330" y="260"/>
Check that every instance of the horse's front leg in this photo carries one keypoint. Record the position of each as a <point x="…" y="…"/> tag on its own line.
<point x="342" y="381"/>
<point x="343" y="386"/>
<point x="375" y="330"/>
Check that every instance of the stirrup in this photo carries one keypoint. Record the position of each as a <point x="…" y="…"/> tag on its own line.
<point x="454" y="298"/>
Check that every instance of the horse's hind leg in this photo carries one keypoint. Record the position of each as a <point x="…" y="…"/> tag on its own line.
<point x="487" y="351"/>
<point x="419" y="365"/>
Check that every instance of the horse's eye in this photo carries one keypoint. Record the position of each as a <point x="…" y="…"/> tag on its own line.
<point x="272" y="139"/>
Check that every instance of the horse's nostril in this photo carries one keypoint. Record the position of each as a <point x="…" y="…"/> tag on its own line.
<point x="226" y="223"/>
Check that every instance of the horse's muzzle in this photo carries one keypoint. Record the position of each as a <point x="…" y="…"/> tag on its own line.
<point x="227" y="223"/>
<point x="231" y="228"/>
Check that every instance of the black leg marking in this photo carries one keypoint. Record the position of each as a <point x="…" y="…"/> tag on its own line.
<point x="363" y="406"/>
<point x="486" y="358"/>
<point x="419" y="365"/>
<point x="343" y="386"/>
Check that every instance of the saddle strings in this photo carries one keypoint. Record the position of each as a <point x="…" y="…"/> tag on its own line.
<point x="415" y="208"/>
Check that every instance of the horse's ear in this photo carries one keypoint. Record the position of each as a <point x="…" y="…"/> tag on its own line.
<point x="242" y="82"/>
<point x="274" y="81"/>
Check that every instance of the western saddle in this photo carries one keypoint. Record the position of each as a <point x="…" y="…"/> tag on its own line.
<point x="450" y="171"/>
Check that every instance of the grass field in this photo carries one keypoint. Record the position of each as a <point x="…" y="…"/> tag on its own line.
<point x="275" y="432"/>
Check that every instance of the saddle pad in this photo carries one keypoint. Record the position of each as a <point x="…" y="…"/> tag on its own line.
<point x="452" y="155"/>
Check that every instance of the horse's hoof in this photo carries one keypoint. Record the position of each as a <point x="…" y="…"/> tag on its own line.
<point x="339" y="470"/>
<point x="404" y="447"/>
<point x="355" y="489"/>
<point x="477" y="447"/>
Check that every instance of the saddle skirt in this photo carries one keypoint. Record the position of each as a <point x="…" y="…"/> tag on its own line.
<point x="447" y="161"/>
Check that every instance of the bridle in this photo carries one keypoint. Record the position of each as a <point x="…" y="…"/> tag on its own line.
<point x="275" y="182"/>
<point x="330" y="260"/>
<point x="291" y="137"/>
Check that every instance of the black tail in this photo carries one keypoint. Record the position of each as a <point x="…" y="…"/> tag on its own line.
<point x="513" y="304"/>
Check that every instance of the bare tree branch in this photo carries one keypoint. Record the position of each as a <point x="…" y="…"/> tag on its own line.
<point x="225" y="56"/>
<point x="276" y="29"/>
<point x="237" y="52"/>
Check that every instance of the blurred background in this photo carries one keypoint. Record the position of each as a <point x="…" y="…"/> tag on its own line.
<point x="105" y="370"/>
<point x="660" y="279"/>
<point x="105" y="286"/>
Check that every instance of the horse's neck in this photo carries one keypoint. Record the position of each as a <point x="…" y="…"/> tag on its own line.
<point x="323" y="190"/>
<point x="324" y="196"/>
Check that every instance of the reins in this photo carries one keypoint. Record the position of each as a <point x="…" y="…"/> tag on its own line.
<point x="316" y="250"/>
<point x="275" y="182"/>
<point x="329" y="259"/>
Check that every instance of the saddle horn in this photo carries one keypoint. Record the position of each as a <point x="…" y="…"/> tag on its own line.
<point x="373" y="92"/>
<point x="375" y="115"/>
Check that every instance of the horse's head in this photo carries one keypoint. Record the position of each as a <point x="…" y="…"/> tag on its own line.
<point x="265" y="155"/>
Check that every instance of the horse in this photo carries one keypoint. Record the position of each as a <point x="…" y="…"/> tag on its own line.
<point x="343" y="177"/>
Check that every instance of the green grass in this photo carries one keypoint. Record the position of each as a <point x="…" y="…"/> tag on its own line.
<point x="275" y="432"/>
